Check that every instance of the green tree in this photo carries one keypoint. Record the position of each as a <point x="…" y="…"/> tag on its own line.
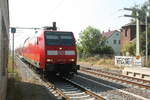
<point x="92" y="42"/>
<point x="130" y="48"/>
<point x="143" y="42"/>
<point x="142" y="12"/>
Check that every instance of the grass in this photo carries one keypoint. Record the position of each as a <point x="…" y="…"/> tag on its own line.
<point x="147" y="66"/>
<point x="107" y="63"/>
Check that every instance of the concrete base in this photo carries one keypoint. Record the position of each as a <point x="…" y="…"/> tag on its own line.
<point x="137" y="72"/>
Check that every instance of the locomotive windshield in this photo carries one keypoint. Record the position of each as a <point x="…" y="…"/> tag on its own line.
<point x="59" y="38"/>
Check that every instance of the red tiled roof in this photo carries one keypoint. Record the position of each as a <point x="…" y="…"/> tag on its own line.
<point x="109" y="33"/>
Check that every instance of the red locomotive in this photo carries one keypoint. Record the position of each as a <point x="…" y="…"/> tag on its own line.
<point x="51" y="51"/>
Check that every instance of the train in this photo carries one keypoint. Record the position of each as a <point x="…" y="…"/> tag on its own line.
<point x="51" y="51"/>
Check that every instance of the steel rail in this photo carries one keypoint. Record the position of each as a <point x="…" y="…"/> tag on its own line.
<point x="85" y="90"/>
<point x="124" y="76"/>
<point x="58" y="91"/>
<point x="114" y="78"/>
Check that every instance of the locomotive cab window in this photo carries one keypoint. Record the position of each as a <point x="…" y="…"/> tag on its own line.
<point x="59" y="38"/>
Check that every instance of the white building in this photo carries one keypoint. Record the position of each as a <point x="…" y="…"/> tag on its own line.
<point x="113" y="40"/>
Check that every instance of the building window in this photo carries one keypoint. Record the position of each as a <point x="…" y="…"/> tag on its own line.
<point x="114" y="41"/>
<point x="126" y="33"/>
<point x="119" y="42"/>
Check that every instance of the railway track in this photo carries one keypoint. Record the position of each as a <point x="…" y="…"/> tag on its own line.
<point x="110" y="91"/>
<point x="117" y="77"/>
<point x="66" y="90"/>
<point x="76" y="91"/>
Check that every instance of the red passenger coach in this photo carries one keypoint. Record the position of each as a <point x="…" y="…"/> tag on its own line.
<point x="52" y="51"/>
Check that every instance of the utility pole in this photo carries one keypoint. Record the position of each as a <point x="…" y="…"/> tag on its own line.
<point x="137" y="35"/>
<point x="13" y="31"/>
<point x="146" y="38"/>
<point x="146" y="29"/>
<point x="137" y="29"/>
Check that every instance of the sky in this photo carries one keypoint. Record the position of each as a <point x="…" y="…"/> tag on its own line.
<point x="70" y="15"/>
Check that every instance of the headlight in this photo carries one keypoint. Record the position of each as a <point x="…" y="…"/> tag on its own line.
<point x="49" y="60"/>
<point x="72" y="59"/>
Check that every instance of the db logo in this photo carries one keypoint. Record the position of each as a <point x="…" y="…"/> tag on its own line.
<point x="61" y="53"/>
